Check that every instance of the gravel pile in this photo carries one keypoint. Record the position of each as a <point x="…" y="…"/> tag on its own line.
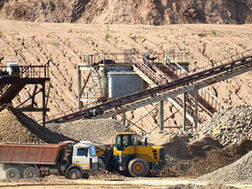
<point x="12" y="130"/>
<point x="230" y="126"/>
<point x="200" y="156"/>
<point x="17" y="127"/>
<point x="99" y="131"/>
<point x="239" y="171"/>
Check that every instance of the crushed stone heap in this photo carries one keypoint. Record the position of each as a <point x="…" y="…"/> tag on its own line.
<point x="12" y="130"/>
<point x="17" y="127"/>
<point x="239" y="171"/>
<point x="95" y="130"/>
<point x="230" y="126"/>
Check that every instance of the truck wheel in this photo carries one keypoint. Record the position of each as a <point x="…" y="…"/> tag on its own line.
<point x="12" y="173"/>
<point x="101" y="164"/>
<point x="138" y="167"/>
<point x="30" y="173"/>
<point x="74" y="174"/>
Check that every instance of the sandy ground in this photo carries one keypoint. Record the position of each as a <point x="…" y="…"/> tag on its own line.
<point x="2" y="172"/>
<point x="172" y="183"/>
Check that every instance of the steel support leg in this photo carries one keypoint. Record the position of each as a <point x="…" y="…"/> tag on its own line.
<point x="184" y="114"/>
<point x="161" y="116"/>
<point x="44" y="105"/>
<point x="196" y="108"/>
<point x="124" y="117"/>
<point x="79" y="88"/>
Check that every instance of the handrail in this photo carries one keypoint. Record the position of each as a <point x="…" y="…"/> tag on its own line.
<point x="148" y="72"/>
<point x="201" y="79"/>
<point x="160" y="81"/>
<point x="29" y="71"/>
<point x="190" y="74"/>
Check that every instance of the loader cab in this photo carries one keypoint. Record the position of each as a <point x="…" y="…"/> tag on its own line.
<point x="123" y="140"/>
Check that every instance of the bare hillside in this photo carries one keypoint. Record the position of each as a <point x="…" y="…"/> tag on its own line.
<point x="64" y="43"/>
<point x="161" y="12"/>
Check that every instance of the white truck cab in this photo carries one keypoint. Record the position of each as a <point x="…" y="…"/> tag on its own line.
<point x="84" y="158"/>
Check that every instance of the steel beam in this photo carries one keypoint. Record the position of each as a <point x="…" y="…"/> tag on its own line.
<point x="196" y="108"/>
<point x="161" y="116"/>
<point x="79" y="88"/>
<point x="201" y="79"/>
<point x="184" y="111"/>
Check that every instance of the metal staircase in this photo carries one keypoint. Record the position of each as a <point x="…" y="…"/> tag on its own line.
<point x="227" y="68"/>
<point x="207" y="99"/>
<point x="154" y="77"/>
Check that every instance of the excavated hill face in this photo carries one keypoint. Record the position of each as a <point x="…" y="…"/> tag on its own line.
<point x="152" y="12"/>
<point x="63" y="43"/>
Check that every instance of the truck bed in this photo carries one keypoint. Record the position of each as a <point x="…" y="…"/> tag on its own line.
<point x="31" y="153"/>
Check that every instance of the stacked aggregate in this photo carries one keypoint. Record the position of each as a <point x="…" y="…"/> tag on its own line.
<point x="11" y="130"/>
<point x="98" y="131"/>
<point x="16" y="127"/>
<point x="192" y="159"/>
<point x="239" y="171"/>
<point x="228" y="127"/>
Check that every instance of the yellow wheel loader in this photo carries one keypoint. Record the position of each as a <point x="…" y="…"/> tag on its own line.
<point x="127" y="155"/>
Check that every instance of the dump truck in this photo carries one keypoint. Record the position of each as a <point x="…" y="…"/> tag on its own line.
<point x="128" y="155"/>
<point x="68" y="158"/>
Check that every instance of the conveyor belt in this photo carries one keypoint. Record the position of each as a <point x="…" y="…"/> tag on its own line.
<point x="179" y="99"/>
<point x="11" y="92"/>
<point x="185" y="84"/>
<point x="159" y="78"/>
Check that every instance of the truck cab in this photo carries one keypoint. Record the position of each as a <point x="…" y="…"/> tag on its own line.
<point x="84" y="160"/>
<point x="84" y="155"/>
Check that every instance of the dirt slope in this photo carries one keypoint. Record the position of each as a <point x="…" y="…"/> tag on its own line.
<point x="35" y="43"/>
<point x="152" y="12"/>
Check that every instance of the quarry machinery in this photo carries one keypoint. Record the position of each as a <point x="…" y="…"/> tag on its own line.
<point x="128" y="155"/>
<point x="74" y="160"/>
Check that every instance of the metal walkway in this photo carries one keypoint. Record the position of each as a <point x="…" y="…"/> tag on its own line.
<point x="228" y="68"/>
<point x="11" y="85"/>
<point x="154" y="77"/>
<point x="158" y="74"/>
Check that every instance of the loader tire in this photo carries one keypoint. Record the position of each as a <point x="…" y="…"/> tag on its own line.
<point x="101" y="164"/>
<point x="13" y="173"/>
<point x="138" y="167"/>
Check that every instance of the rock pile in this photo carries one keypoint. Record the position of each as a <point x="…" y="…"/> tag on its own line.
<point x="200" y="156"/>
<point x="229" y="126"/>
<point x="17" y="127"/>
<point x="12" y="130"/>
<point x="98" y="131"/>
<point x="239" y="171"/>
